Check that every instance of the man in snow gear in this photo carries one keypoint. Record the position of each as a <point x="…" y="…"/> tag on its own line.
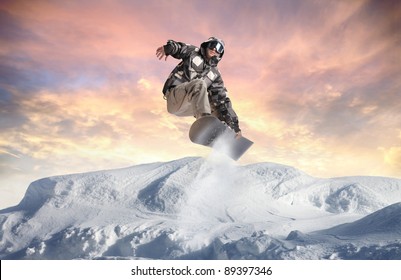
<point x="195" y="87"/>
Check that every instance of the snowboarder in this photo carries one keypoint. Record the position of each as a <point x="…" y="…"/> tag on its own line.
<point x="195" y="87"/>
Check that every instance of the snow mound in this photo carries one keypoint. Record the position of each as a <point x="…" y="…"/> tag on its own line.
<point x="196" y="208"/>
<point x="384" y="221"/>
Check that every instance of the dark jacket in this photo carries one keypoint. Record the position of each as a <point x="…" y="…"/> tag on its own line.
<point x="195" y="66"/>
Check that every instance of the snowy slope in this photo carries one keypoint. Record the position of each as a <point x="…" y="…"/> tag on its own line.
<point x="195" y="208"/>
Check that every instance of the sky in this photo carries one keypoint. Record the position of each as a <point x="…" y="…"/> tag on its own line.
<point x="316" y="84"/>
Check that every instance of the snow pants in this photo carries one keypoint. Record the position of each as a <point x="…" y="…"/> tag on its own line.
<point x="188" y="99"/>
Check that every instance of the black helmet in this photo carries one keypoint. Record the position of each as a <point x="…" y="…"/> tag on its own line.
<point x="213" y="43"/>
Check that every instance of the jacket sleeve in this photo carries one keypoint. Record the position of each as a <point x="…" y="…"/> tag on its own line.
<point x="177" y="49"/>
<point x="222" y="103"/>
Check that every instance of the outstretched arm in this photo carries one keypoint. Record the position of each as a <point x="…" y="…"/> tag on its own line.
<point x="175" y="49"/>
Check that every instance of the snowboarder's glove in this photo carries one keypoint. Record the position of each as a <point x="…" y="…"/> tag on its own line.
<point x="230" y="121"/>
<point x="235" y="126"/>
<point x="233" y="123"/>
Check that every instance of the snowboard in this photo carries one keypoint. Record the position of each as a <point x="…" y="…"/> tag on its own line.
<point x="211" y="132"/>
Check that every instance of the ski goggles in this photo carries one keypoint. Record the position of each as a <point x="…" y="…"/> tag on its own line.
<point x="216" y="45"/>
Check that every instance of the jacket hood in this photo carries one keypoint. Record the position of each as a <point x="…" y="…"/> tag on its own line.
<point x="213" y="40"/>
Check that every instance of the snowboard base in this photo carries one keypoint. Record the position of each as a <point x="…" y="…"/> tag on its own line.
<point x="211" y="132"/>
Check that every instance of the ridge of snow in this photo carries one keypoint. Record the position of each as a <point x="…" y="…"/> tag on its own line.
<point x="383" y="221"/>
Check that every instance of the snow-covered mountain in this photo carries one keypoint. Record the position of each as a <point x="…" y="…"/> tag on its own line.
<point x="196" y="208"/>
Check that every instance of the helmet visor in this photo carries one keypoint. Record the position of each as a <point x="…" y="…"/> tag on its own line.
<point x="217" y="46"/>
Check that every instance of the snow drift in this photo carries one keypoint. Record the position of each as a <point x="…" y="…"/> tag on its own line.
<point x="195" y="208"/>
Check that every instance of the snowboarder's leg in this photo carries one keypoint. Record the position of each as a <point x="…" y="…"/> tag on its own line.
<point x="189" y="99"/>
<point x="198" y="96"/>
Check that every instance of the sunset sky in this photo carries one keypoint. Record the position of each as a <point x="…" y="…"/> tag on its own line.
<point x="316" y="84"/>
